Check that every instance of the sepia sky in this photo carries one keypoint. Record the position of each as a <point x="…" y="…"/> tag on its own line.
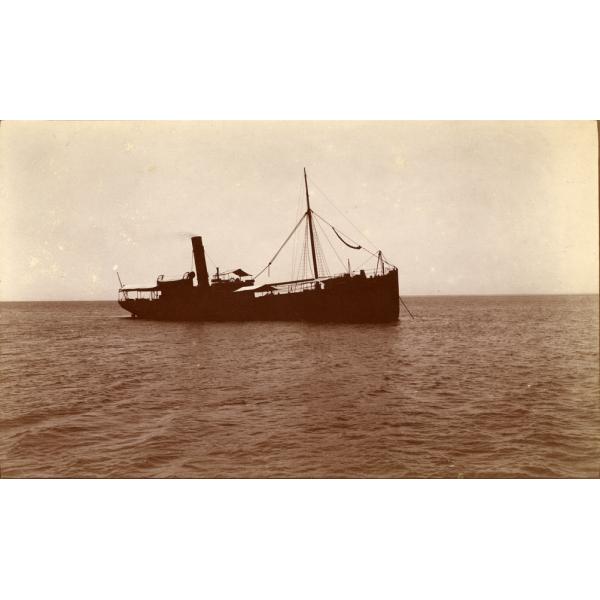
<point x="459" y="207"/>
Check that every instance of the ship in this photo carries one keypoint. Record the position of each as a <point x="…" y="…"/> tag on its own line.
<point x="359" y="296"/>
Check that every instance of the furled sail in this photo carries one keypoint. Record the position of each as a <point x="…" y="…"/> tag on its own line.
<point x="344" y="241"/>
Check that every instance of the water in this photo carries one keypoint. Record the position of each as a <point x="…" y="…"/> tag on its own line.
<point x="474" y="387"/>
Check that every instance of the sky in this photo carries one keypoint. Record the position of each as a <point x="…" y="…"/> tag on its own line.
<point x="459" y="207"/>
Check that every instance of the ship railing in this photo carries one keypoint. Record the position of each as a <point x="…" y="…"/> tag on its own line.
<point x="369" y="273"/>
<point x="139" y="295"/>
<point x="221" y="279"/>
<point x="302" y="286"/>
<point x="173" y="278"/>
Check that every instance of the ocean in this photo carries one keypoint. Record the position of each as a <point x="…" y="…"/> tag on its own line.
<point x="504" y="386"/>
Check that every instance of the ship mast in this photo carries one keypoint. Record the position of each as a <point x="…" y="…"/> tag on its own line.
<point x="310" y="227"/>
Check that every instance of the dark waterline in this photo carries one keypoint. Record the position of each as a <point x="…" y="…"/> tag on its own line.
<point x="485" y="386"/>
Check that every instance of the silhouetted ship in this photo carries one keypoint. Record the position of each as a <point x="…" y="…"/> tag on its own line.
<point x="355" y="297"/>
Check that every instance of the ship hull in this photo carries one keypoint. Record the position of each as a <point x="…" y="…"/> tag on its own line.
<point x="357" y="300"/>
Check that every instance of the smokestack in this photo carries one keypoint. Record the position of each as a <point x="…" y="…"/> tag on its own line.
<point x="201" y="272"/>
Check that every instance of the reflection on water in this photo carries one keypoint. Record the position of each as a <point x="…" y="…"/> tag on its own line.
<point x="475" y="386"/>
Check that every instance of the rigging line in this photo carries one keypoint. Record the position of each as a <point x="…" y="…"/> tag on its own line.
<point x="332" y="227"/>
<point x="362" y="247"/>
<point x="319" y="253"/>
<point x="323" y="266"/>
<point x="345" y="234"/>
<point x="300" y="267"/>
<point x="316" y="243"/>
<point x="341" y="213"/>
<point x="295" y="244"/>
<point x="364" y="262"/>
<point x="300" y="258"/>
<point x="307" y="256"/>
<point x="331" y="246"/>
<point x="374" y="254"/>
<point x="295" y="249"/>
<point x="324" y="257"/>
<point x="322" y="254"/>
<point x="386" y="261"/>
<point x="406" y="307"/>
<point x="287" y="239"/>
<point x="305" y="251"/>
<point x="300" y="274"/>
<point x="209" y="258"/>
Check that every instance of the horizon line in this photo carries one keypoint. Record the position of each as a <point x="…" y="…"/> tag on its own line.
<point x="503" y="294"/>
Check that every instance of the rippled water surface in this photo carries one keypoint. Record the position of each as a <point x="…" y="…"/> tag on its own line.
<point x="473" y="387"/>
